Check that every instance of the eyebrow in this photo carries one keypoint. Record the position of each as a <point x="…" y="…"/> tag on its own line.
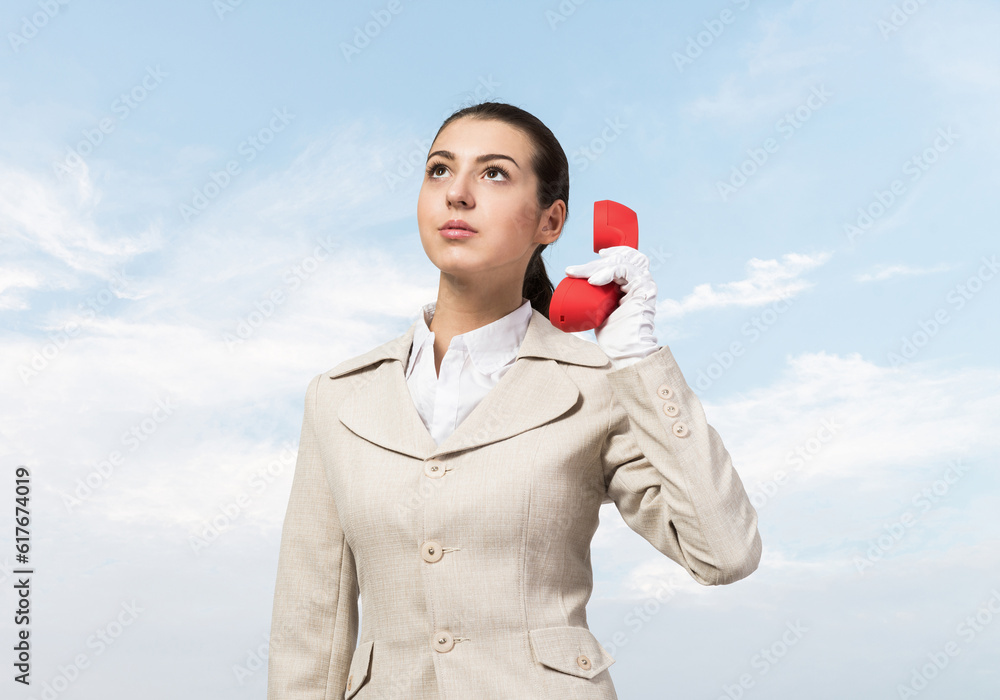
<point x="481" y="159"/>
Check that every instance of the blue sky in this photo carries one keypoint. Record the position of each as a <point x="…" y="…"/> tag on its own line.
<point x="815" y="185"/>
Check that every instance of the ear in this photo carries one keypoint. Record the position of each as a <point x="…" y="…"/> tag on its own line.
<point x="551" y="223"/>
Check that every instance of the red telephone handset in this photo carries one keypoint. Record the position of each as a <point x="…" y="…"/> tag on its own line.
<point x="576" y="304"/>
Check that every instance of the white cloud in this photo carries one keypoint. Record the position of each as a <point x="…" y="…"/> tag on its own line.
<point x="926" y="413"/>
<point x="766" y="281"/>
<point x="855" y="442"/>
<point x="884" y="272"/>
<point x="46" y="220"/>
<point x="12" y="281"/>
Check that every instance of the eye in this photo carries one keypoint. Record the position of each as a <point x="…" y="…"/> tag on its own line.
<point x="433" y="168"/>
<point x="497" y="168"/>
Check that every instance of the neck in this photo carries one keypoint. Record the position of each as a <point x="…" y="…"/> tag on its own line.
<point x="463" y="307"/>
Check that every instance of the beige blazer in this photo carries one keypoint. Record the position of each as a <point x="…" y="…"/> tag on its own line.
<point x="471" y="558"/>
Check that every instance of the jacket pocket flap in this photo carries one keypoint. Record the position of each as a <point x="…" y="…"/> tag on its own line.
<point x="572" y="650"/>
<point x="358" y="674"/>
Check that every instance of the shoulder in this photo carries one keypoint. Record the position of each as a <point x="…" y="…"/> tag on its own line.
<point x="348" y="374"/>
<point x="581" y="360"/>
<point x="397" y="348"/>
<point x="544" y="340"/>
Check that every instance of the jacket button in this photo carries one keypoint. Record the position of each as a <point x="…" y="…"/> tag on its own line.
<point x="671" y="409"/>
<point x="680" y="430"/>
<point x="431" y="551"/>
<point x="664" y="391"/>
<point x="350" y="679"/>
<point x="442" y="641"/>
<point x="434" y="468"/>
<point x="583" y="662"/>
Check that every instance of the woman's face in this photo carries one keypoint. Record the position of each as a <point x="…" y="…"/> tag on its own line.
<point x="479" y="171"/>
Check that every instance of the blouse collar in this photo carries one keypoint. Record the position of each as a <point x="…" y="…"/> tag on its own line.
<point x="491" y="346"/>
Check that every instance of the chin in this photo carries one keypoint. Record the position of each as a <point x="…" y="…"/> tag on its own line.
<point x="457" y="265"/>
<point x="458" y="270"/>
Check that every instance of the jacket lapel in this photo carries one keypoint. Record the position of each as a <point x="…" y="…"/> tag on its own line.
<point x="534" y="391"/>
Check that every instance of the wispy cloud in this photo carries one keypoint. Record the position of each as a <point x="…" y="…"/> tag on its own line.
<point x="766" y="281"/>
<point x="884" y="272"/>
<point x="872" y="404"/>
<point x="12" y="283"/>
<point x="46" y="220"/>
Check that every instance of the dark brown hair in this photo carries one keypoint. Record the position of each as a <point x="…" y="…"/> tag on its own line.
<point x="548" y="161"/>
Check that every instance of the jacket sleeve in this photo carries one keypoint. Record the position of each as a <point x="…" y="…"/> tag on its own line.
<point x="670" y="476"/>
<point x="314" y="620"/>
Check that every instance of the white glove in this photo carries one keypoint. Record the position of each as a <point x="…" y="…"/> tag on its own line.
<point x="627" y="335"/>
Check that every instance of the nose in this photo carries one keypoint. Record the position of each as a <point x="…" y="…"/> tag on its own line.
<point x="459" y="194"/>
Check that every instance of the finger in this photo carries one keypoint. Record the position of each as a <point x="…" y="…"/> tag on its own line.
<point x="584" y="270"/>
<point x="614" y="250"/>
<point x="626" y="254"/>
<point x="635" y="277"/>
<point x="602" y="276"/>
<point x="624" y="273"/>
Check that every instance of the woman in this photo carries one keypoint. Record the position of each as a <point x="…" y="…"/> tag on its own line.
<point x="451" y="478"/>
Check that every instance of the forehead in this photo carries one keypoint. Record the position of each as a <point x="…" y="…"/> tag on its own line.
<point x="469" y="137"/>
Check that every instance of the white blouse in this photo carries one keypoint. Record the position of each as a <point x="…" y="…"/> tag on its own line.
<point x="473" y="364"/>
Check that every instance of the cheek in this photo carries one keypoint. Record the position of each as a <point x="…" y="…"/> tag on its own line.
<point x="519" y="221"/>
<point x="507" y="243"/>
<point x="421" y="210"/>
<point x="518" y="226"/>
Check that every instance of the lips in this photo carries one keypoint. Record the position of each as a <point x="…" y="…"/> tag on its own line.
<point x="457" y="225"/>
<point x="456" y="228"/>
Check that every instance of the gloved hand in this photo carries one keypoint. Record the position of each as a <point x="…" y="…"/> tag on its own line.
<point x="628" y="334"/>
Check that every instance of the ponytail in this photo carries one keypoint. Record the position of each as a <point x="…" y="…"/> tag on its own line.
<point x="537" y="285"/>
